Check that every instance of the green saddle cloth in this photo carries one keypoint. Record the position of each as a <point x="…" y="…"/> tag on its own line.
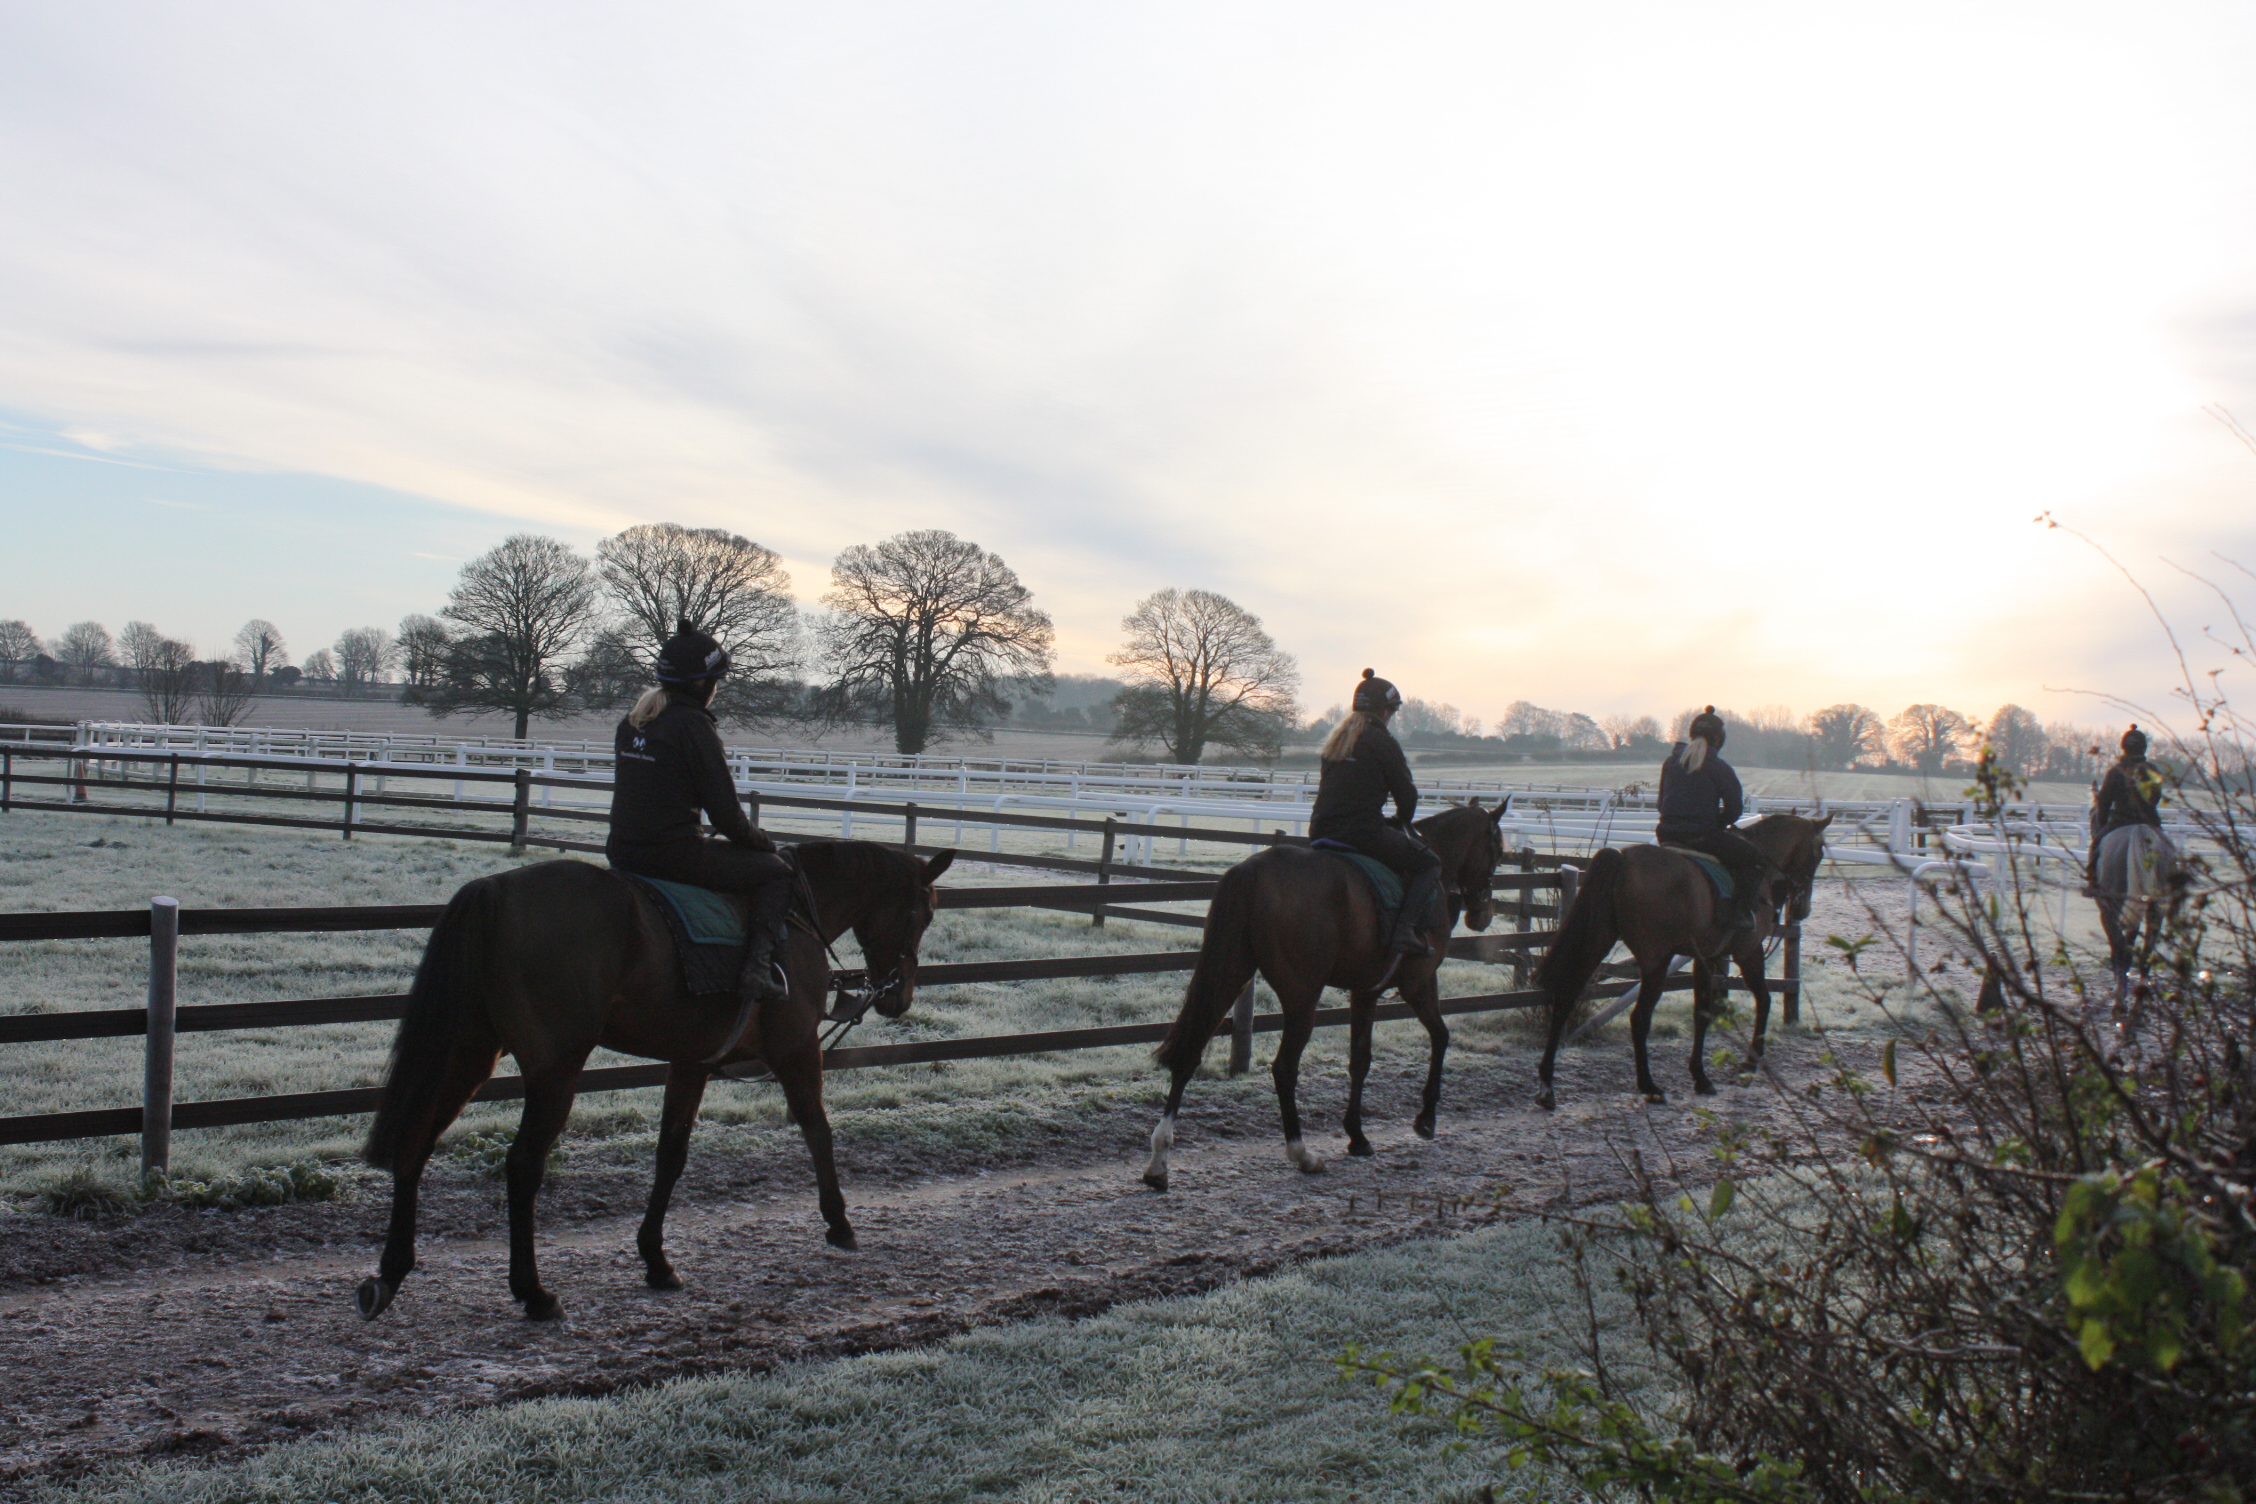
<point x="706" y="917"/>
<point x="1717" y="872"/>
<point x="1386" y="883"/>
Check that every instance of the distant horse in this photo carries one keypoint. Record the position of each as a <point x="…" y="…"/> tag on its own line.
<point x="1661" y="904"/>
<point x="552" y="961"/>
<point x="2139" y="879"/>
<point x="1305" y="921"/>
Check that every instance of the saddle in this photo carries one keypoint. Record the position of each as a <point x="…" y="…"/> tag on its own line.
<point x="1386" y="886"/>
<point x="707" y="929"/>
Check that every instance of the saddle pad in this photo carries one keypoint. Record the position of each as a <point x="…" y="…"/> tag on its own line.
<point x="1718" y="873"/>
<point x="709" y="966"/>
<point x="1386" y="883"/>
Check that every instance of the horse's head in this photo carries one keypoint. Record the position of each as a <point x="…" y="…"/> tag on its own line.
<point x="1470" y="844"/>
<point x="890" y="927"/>
<point x="1795" y="845"/>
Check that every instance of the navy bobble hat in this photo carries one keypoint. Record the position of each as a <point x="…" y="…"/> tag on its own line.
<point x="2134" y="741"/>
<point x="1708" y="726"/>
<point x="690" y="655"/>
<point x="1374" y="696"/>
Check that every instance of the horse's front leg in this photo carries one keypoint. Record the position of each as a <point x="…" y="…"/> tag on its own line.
<point x="798" y="1070"/>
<point x="1425" y="1000"/>
<point x="1360" y="1008"/>
<point x="1704" y="984"/>
<point x="1751" y="968"/>
<point x="1641" y="1024"/>
<point x="685" y="1089"/>
<point x="548" y="1103"/>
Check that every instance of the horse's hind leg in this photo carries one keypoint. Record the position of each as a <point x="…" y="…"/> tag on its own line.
<point x="472" y="1063"/>
<point x="1300" y="1022"/>
<point x="548" y="1104"/>
<point x="1641" y="1023"/>
<point x="1361" y="1006"/>
<point x="1561" y="1006"/>
<point x="685" y="1089"/>
<point x="1707" y="987"/>
<point x="801" y="1080"/>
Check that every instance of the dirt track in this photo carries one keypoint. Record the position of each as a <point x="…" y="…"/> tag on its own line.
<point x="206" y="1335"/>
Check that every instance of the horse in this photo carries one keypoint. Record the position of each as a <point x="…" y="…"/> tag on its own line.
<point x="2139" y="874"/>
<point x="551" y="961"/>
<point x="1661" y="904"/>
<point x="1306" y="921"/>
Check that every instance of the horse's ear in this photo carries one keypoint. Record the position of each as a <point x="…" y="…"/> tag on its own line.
<point x="1475" y="804"/>
<point x="936" y="866"/>
<point x="1822" y="821"/>
<point x="1496" y="815"/>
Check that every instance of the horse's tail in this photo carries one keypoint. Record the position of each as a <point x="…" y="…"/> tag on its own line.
<point x="441" y="1012"/>
<point x="1225" y="965"/>
<point x="1586" y="932"/>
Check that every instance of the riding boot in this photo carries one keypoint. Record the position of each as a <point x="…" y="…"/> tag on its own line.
<point x="761" y="978"/>
<point x="1417" y="897"/>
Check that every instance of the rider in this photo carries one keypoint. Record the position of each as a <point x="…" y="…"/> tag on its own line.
<point x="1363" y="766"/>
<point x="2130" y="794"/>
<point x="1701" y="802"/>
<point x="669" y="766"/>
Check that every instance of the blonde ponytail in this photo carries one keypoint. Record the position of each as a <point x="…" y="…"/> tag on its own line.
<point x="648" y="708"/>
<point x="1345" y="735"/>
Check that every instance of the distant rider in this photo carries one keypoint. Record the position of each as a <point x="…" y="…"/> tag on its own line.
<point x="1701" y="803"/>
<point x="1363" y="767"/>
<point x="2129" y="794"/>
<point x="669" y="766"/>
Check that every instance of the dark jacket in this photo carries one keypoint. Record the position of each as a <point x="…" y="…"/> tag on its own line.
<point x="2130" y="794"/>
<point x="664" y="774"/>
<point x="1696" y="802"/>
<point x="1352" y="791"/>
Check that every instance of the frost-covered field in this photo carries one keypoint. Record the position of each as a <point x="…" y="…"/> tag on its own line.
<point x="58" y="862"/>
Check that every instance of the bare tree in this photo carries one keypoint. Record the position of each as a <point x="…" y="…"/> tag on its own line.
<point x="363" y="653"/>
<point x="1580" y="733"/>
<point x="226" y="694"/>
<point x="167" y="674"/>
<point x="922" y="627"/>
<point x="319" y="667"/>
<point x="1419" y="717"/>
<point x="527" y="604"/>
<point x="422" y="643"/>
<point x="139" y="646"/>
<point x="85" y="649"/>
<point x="1526" y="718"/>
<point x="1201" y="672"/>
<point x="1840" y="734"/>
<point x="609" y="674"/>
<point x="657" y="573"/>
<point x="1927" y="735"/>
<point x="2018" y="739"/>
<point x="259" y="647"/>
<point x="18" y="644"/>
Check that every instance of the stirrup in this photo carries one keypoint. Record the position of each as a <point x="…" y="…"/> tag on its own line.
<point x="747" y="1006"/>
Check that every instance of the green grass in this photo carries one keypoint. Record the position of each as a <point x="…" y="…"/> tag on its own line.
<point x="1228" y="1396"/>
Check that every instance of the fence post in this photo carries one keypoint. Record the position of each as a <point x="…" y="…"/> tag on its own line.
<point x="1523" y="910"/>
<point x="908" y="828"/>
<point x="172" y="788"/>
<point x="752" y="808"/>
<point x="7" y="780"/>
<point x="1241" y="1032"/>
<point x="1792" y="1011"/>
<point x="1104" y="873"/>
<point x="520" y="811"/>
<point x="156" y="1072"/>
<point x="352" y="791"/>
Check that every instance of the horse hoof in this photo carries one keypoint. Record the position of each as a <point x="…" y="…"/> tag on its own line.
<point x="544" y="1307"/>
<point x="661" y="1277"/>
<point x="1424" y="1127"/>
<point x="1156" y="1179"/>
<point x="1361" y="1148"/>
<point x="1545" y="1100"/>
<point x="371" y="1298"/>
<point x="1704" y="1088"/>
<point x="1656" y="1098"/>
<point x="841" y="1237"/>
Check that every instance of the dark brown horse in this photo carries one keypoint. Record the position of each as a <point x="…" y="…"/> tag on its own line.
<point x="1660" y="903"/>
<point x="1306" y="921"/>
<point x="552" y="961"/>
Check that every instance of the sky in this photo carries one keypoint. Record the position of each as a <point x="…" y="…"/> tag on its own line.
<point x="1617" y="357"/>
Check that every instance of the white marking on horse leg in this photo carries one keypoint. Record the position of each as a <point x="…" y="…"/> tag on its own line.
<point x="1162" y="1140"/>
<point x="1302" y="1158"/>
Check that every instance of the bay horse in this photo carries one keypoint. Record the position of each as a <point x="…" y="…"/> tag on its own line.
<point x="2139" y="876"/>
<point x="550" y="962"/>
<point x="1305" y="920"/>
<point x="1660" y="903"/>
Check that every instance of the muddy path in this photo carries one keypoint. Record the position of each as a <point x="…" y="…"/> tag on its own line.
<point x="206" y="1336"/>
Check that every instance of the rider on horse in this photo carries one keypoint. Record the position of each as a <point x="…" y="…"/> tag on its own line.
<point x="2130" y="794"/>
<point x="1701" y="802"/>
<point x="1363" y="766"/>
<point x="669" y="766"/>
